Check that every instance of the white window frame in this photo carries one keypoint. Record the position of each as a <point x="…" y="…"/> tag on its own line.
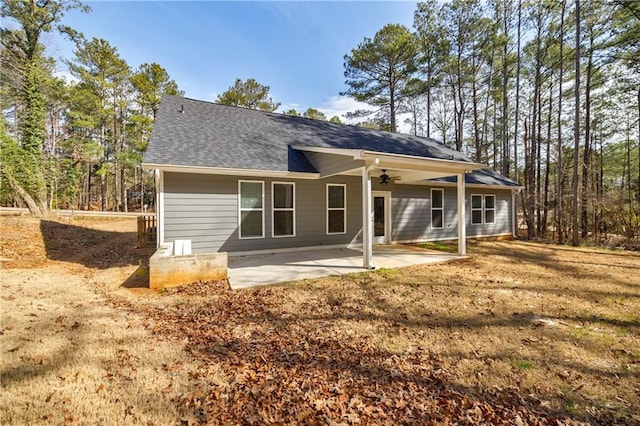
<point x="484" y="213"/>
<point x="441" y="209"/>
<point x="241" y="209"/>
<point x="475" y="209"/>
<point x="282" y="209"/>
<point x="344" y="208"/>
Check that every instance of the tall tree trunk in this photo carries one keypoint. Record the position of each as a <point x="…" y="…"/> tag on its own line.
<point x="476" y="121"/>
<point x="460" y="112"/>
<point x="586" y="159"/>
<point x="485" y="120"/>
<point x="575" y="237"/>
<point x="494" y="139"/>
<point x="37" y="208"/>
<point x="429" y="102"/>
<point x="560" y="169"/>
<point x="392" y="104"/>
<point x="517" y="111"/>
<point x="505" y="98"/>
<point x="538" y="160"/>
<point x="88" y="193"/>
<point x="528" y="171"/>
<point x="545" y="204"/>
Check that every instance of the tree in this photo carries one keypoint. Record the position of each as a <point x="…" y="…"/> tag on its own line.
<point x="432" y="48"/>
<point x="461" y="20"/>
<point x="293" y="112"/>
<point x="100" y="110"/>
<point x="23" y="56"/>
<point x="248" y="94"/>
<point x="335" y="119"/>
<point x="377" y="70"/>
<point x="314" y="114"/>
<point x="151" y="81"/>
<point x="575" y="238"/>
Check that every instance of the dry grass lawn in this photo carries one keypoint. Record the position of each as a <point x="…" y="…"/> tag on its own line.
<point x="519" y="333"/>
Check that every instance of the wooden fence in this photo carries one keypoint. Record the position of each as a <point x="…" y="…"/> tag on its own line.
<point x="147" y="229"/>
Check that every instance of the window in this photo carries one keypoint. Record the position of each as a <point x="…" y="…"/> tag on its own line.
<point x="336" y="209"/>
<point x="476" y="209"/>
<point x="283" y="208"/>
<point x="251" y="212"/>
<point x="489" y="209"/>
<point x="483" y="209"/>
<point x="437" y="208"/>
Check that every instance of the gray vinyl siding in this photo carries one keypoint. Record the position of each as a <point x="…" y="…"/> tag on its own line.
<point x="503" y="214"/>
<point x="411" y="213"/>
<point x="204" y="209"/>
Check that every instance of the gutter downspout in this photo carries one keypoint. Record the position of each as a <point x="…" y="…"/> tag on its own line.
<point x="367" y="224"/>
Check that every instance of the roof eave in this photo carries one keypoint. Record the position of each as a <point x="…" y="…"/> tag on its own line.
<point x="229" y="171"/>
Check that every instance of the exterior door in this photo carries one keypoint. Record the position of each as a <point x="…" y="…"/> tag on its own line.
<point x="381" y="205"/>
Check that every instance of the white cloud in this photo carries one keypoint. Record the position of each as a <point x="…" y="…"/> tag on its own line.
<point x="340" y="105"/>
<point x="66" y="76"/>
<point x="286" y="107"/>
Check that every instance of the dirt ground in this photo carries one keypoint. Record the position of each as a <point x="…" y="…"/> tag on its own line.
<point x="519" y="333"/>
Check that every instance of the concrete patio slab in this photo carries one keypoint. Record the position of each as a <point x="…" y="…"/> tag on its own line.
<point x="264" y="269"/>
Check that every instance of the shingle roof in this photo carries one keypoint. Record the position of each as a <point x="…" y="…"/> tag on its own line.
<point x="482" y="177"/>
<point x="189" y="132"/>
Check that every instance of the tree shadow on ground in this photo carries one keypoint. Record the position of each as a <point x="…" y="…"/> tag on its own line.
<point x="91" y="248"/>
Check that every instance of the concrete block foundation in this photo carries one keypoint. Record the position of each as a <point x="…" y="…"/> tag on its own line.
<point x="166" y="270"/>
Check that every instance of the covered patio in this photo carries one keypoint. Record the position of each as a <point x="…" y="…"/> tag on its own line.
<point x="264" y="269"/>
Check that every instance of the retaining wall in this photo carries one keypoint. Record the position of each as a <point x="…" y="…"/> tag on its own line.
<point x="166" y="270"/>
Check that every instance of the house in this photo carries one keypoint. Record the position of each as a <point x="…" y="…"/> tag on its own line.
<point x="241" y="181"/>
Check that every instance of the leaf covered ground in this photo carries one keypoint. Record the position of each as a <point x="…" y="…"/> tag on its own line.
<point x="519" y="333"/>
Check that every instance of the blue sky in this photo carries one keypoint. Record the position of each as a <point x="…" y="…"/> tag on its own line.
<point x="296" y="48"/>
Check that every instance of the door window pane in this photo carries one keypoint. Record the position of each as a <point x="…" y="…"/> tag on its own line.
<point x="378" y="217"/>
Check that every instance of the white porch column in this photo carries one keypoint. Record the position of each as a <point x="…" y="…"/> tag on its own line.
<point x="462" y="217"/>
<point x="514" y="213"/>
<point x="367" y="228"/>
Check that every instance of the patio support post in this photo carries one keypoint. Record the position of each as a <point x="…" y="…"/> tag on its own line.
<point x="462" y="218"/>
<point x="514" y="213"/>
<point x="367" y="228"/>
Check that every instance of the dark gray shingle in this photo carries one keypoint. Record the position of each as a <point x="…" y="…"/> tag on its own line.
<point x="189" y="132"/>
